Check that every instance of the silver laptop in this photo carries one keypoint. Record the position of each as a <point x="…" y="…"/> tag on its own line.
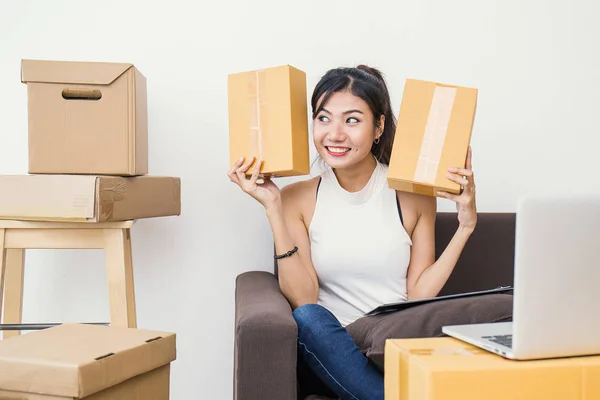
<point x="556" y="303"/>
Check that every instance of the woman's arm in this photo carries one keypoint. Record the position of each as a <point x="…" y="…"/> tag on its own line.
<point x="426" y="276"/>
<point x="297" y="276"/>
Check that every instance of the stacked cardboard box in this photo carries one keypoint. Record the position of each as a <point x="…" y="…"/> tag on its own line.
<point x="88" y="147"/>
<point x="77" y="361"/>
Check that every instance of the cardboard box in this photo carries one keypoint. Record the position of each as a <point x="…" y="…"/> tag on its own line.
<point x="92" y="362"/>
<point x="268" y="119"/>
<point x="433" y="133"/>
<point x="88" y="198"/>
<point x="449" y="369"/>
<point x="86" y="118"/>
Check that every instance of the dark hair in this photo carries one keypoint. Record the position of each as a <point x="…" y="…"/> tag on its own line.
<point x="368" y="84"/>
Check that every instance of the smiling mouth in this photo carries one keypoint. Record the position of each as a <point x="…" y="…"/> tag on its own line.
<point x="337" y="151"/>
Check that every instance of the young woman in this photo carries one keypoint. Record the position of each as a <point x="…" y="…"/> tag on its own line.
<point x="345" y="242"/>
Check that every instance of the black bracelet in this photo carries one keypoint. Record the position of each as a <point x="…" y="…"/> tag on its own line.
<point x="289" y="253"/>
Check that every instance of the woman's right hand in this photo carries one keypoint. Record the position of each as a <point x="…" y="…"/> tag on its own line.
<point x="267" y="193"/>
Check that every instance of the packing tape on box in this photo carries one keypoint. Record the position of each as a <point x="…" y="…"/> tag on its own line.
<point x="452" y="351"/>
<point x="435" y="134"/>
<point x="257" y="99"/>
<point x="111" y="192"/>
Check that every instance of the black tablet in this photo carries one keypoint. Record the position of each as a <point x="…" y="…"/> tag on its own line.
<point x="402" y="305"/>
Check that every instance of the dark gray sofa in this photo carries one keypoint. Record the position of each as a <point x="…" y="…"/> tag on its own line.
<point x="265" y="332"/>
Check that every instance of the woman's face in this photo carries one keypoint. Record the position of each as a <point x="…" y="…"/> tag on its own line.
<point x="343" y="131"/>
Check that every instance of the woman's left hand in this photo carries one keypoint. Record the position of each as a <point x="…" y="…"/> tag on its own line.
<point x="465" y="202"/>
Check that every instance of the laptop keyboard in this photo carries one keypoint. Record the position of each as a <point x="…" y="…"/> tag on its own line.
<point x="504" y="340"/>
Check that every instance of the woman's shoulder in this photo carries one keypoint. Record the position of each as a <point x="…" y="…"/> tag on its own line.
<point x="414" y="206"/>
<point x="417" y="203"/>
<point x="298" y="191"/>
<point x="299" y="199"/>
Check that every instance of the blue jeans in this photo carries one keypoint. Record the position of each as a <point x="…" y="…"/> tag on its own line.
<point x="326" y="350"/>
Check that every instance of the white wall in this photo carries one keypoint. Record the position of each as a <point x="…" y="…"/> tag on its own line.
<point x="536" y="64"/>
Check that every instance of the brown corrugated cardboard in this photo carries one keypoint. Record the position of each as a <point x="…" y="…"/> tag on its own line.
<point x="268" y="119"/>
<point x="434" y="130"/>
<point x="93" y="362"/>
<point x="86" y="118"/>
<point x="153" y="385"/>
<point x="449" y="369"/>
<point x="88" y="198"/>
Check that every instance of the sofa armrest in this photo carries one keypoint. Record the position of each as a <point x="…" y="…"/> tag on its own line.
<point x="265" y="347"/>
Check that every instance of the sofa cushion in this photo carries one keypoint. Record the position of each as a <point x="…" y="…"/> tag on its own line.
<point x="427" y="320"/>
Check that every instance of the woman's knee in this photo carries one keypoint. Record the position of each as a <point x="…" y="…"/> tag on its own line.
<point x="313" y="319"/>
<point x="306" y="314"/>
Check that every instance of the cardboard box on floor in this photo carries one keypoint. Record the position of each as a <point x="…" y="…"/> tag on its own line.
<point x="92" y="362"/>
<point x="433" y="133"/>
<point x="86" y="118"/>
<point x="88" y="198"/>
<point x="268" y="119"/>
<point x="449" y="369"/>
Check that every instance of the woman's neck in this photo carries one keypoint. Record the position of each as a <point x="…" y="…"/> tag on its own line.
<point x="356" y="177"/>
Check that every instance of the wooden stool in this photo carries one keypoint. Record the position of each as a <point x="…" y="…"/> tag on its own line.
<point x="113" y="237"/>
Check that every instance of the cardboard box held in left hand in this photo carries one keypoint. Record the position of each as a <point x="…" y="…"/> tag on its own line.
<point x="268" y="119"/>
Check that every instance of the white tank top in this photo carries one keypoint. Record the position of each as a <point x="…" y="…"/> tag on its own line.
<point x="359" y="247"/>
